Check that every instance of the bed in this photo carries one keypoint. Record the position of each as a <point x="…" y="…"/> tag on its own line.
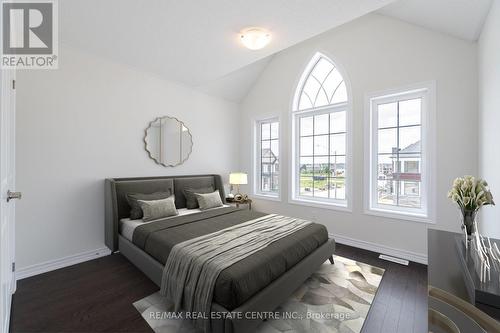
<point x="257" y="283"/>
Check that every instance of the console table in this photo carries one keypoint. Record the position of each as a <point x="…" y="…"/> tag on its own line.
<point x="445" y="268"/>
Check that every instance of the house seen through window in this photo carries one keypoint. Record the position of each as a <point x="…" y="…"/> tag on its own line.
<point x="399" y="153"/>
<point x="268" y="166"/>
<point x="399" y="146"/>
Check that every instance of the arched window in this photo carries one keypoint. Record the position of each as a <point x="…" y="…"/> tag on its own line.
<point x="320" y="126"/>
<point x="323" y="85"/>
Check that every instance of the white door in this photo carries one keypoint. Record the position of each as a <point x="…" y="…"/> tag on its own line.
<point x="7" y="178"/>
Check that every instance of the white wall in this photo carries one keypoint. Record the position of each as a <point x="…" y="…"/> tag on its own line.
<point x="84" y="122"/>
<point x="378" y="53"/>
<point x="489" y="116"/>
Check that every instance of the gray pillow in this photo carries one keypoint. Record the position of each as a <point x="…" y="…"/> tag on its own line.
<point x="191" y="201"/>
<point x="156" y="209"/>
<point x="135" y="209"/>
<point x="208" y="200"/>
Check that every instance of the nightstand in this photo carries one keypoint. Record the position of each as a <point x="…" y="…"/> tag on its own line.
<point x="237" y="203"/>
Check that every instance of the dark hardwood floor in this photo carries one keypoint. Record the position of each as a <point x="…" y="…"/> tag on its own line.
<point x="401" y="301"/>
<point x="97" y="296"/>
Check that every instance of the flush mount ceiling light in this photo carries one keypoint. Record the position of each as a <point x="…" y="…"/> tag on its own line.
<point x="255" y="38"/>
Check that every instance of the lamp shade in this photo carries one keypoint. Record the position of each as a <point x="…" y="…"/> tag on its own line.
<point x="238" y="178"/>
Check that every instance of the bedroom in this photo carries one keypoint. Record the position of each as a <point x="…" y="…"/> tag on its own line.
<point x="377" y="187"/>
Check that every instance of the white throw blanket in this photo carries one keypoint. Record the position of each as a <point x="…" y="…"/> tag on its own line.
<point x="193" y="266"/>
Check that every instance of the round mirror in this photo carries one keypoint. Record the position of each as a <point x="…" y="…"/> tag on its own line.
<point x="168" y="141"/>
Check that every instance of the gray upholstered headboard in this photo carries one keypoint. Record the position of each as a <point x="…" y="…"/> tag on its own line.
<point x="116" y="190"/>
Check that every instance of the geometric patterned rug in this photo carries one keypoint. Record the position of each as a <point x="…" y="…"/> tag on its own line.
<point x="335" y="299"/>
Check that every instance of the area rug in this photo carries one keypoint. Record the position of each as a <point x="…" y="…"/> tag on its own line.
<point x="336" y="298"/>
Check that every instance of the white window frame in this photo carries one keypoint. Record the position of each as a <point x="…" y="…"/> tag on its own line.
<point x="426" y="91"/>
<point x="257" y="139"/>
<point x="294" y="185"/>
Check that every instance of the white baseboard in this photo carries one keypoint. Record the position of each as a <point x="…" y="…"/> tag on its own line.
<point x="51" y="265"/>
<point x="382" y="249"/>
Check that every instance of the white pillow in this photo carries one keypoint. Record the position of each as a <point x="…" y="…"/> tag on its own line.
<point x="156" y="209"/>
<point x="209" y="200"/>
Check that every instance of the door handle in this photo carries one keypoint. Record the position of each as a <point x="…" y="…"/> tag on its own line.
<point x="13" y="195"/>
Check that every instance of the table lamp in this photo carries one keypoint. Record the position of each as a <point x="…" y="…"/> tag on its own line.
<point x="238" y="178"/>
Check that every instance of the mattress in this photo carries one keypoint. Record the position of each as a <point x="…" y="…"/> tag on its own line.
<point x="239" y="282"/>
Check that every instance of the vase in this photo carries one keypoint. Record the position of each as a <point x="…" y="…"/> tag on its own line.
<point x="468" y="219"/>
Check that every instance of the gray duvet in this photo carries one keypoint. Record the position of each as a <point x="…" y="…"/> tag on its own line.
<point x="193" y="266"/>
<point x="238" y="282"/>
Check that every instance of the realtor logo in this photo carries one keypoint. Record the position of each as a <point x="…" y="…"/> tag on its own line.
<point x="29" y="34"/>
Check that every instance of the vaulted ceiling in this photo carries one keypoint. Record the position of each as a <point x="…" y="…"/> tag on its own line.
<point x="196" y="42"/>
<point x="460" y="18"/>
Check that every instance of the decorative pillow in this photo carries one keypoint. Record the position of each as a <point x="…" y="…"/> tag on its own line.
<point x="135" y="208"/>
<point x="191" y="201"/>
<point x="208" y="200"/>
<point x="156" y="209"/>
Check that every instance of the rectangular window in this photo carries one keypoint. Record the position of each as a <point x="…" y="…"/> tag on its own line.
<point x="399" y="166"/>
<point x="267" y="173"/>
<point x="322" y="155"/>
<point x="320" y="169"/>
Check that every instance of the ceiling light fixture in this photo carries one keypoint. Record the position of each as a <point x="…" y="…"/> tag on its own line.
<point x="255" y="38"/>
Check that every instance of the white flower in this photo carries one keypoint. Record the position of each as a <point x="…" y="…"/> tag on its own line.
<point x="457" y="182"/>
<point x="470" y="193"/>
<point x="489" y="197"/>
